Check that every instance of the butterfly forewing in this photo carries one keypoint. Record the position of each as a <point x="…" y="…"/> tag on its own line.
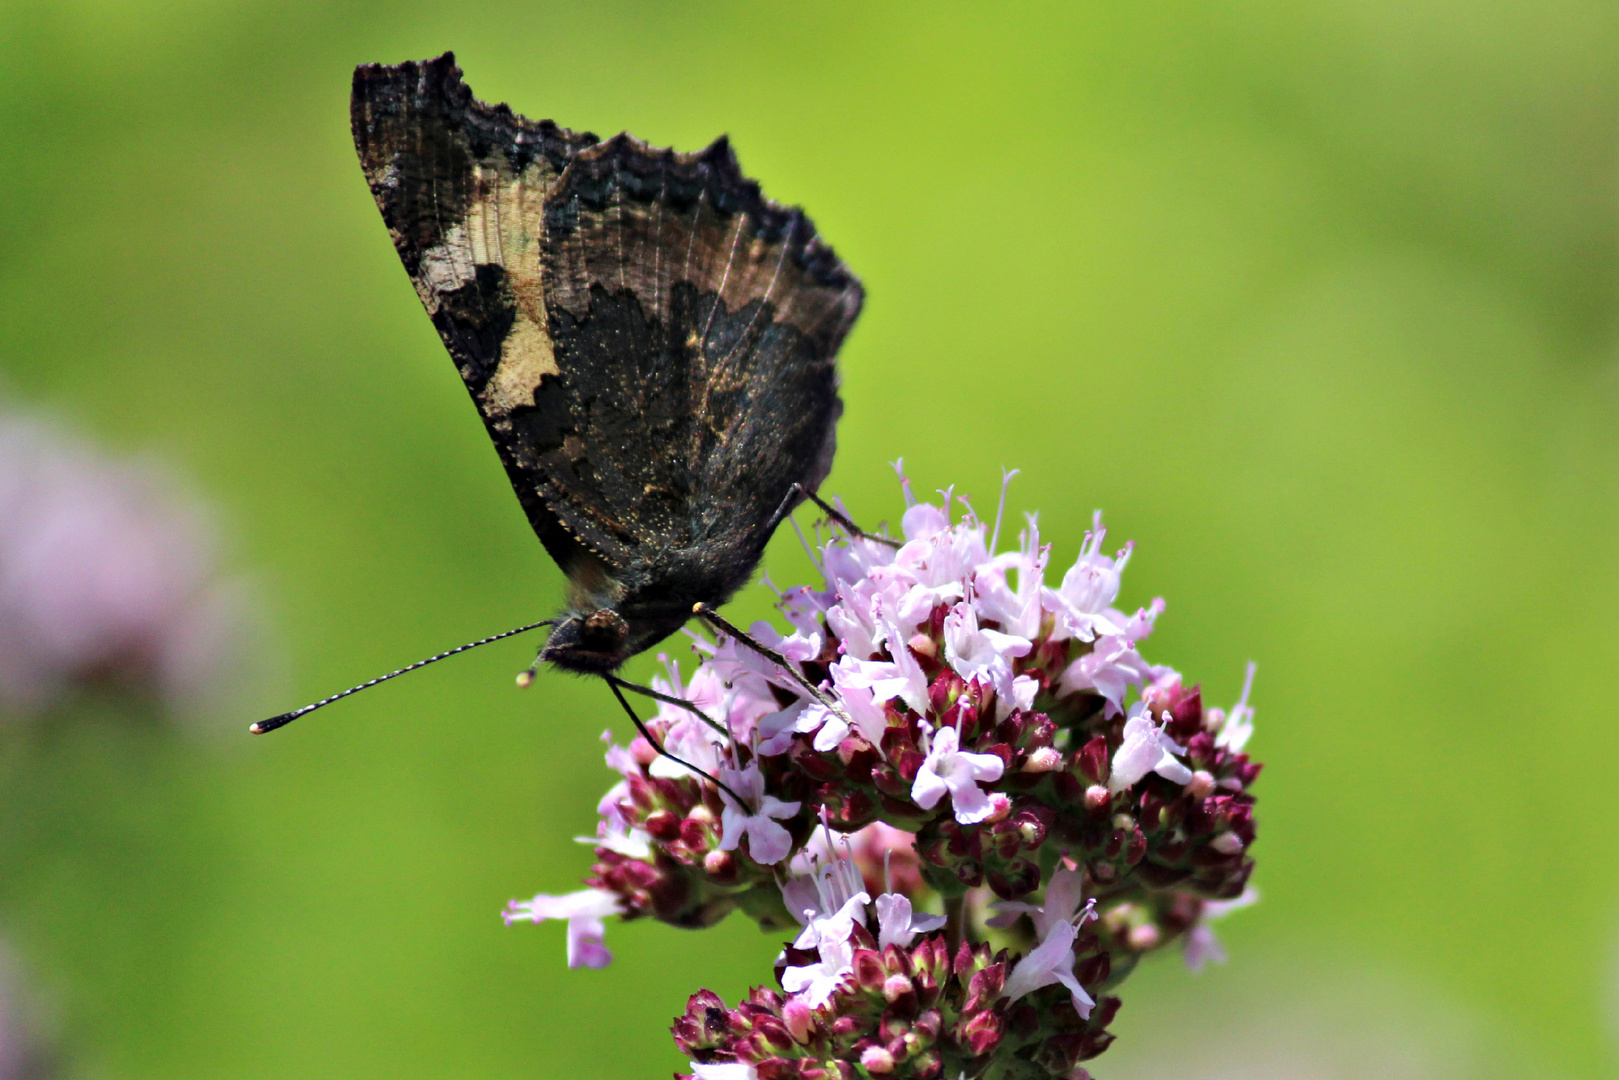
<point x="649" y="340"/>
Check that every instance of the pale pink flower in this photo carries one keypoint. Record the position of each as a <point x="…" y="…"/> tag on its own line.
<point x="776" y="730"/>
<point x="858" y="711"/>
<point x="1064" y="898"/>
<point x="1018" y="610"/>
<point x="1051" y="961"/>
<point x="982" y="655"/>
<point x="724" y="1070"/>
<point x="814" y="984"/>
<point x="1234" y="731"/>
<point x="584" y="911"/>
<point x="828" y="897"/>
<point x="829" y="901"/>
<point x="1138" y="627"/>
<point x="898" y="925"/>
<point x="947" y="770"/>
<point x="1083" y="601"/>
<point x="1202" y="947"/>
<point x="1146" y="748"/>
<point x="1110" y="669"/>
<point x="768" y="842"/>
<point x="108" y="573"/>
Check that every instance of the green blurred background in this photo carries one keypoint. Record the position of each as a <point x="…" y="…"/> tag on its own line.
<point x="1317" y="300"/>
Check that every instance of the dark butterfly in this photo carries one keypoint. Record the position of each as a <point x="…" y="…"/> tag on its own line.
<point x="649" y="340"/>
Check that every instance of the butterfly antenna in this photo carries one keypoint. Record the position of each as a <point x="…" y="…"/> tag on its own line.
<point x="719" y="622"/>
<point x="843" y="519"/>
<point x="613" y="683"/>
<point x="286" y="718"/>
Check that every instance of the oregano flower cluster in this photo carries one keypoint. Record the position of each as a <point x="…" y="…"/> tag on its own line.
<point x="956" y="783"/>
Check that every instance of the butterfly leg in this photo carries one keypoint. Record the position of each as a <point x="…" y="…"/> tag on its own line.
<point x="613" y="683"/>
<point x="724" y="625"/>
<point x="647" y="691"/>
<point x="840" y="517"/>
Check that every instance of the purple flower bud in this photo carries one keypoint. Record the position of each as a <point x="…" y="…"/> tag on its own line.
<point x="1094" y="969"/>
<point x="944" y="691"/>
<point x="877" y="1061"/>
<point x="985" y="986"/>
<point x="1032" y="824"/>
<point x="695" y="834"/>
<point x="770" y="1035"/>
<point x="1091" y="761"/>
<point x="704" y="1025"/>
<point x="1136" y="848"/>
<point x="869" y="972"/>
<point x="1017" y="879"/>
<point x="970" y="873"/>
<point x="663" y="825"/>
<point x="983" y="1032"/>
<point x="721" y="866"/>
<point x="928" y="1026"/>
<point x="800" y="1020"/>
<point x="926" y="1063"/>
<point x="1043" y="760"/>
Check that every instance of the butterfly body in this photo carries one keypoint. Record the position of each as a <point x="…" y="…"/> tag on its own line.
<point x="649" y="340"/>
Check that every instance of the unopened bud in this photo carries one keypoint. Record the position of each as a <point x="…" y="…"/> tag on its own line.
<point x="663" y="825"/>
<point x="896" y="987"/>
<point x="720" y="865"/>
<point x="1227" y="843"/>
<point x="999" y="807"/>
<point x="923" y="645"/>
<point x="1045" y="759"/>
<point x="1097" y="796"/>
<point x="702" y="813"/>
<point x="877" y="1061"/>
<point x="1143" y="937"/>
<point x="800" y="1020"/>
<point x="1201" y="786"/>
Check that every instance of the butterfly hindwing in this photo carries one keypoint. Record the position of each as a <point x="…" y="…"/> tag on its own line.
<point x="695" y="319"/>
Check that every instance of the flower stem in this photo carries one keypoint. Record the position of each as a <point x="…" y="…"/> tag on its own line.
<point x="955" y="921"/>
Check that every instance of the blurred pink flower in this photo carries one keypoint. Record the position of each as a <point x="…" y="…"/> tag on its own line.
<point x="108" y="574"/>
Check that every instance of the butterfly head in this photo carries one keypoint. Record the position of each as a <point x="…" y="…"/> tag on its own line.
<point x="594" y="641"/>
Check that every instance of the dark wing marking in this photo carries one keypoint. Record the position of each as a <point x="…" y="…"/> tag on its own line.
<point x="695" y="325"/>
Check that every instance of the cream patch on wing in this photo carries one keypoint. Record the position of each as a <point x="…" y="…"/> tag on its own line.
<point x="525" y="358"/>
<point x="505" y="227"/>
<point x="445" y="267"/>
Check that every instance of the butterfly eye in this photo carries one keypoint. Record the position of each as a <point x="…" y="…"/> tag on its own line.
<point x="603" y="631"/>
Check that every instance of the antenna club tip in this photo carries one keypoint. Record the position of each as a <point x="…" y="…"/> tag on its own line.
<point x="699" y="608"/>
<point x="525" y="679"/>
<point x="257" y="728"/>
